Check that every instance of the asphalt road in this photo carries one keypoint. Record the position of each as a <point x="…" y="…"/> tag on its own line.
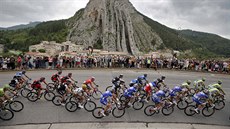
<point x="45" y="112"/>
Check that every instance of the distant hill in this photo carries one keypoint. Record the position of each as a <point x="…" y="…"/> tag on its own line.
<point x="22" y="26"/>
<point x="212" y="42"/>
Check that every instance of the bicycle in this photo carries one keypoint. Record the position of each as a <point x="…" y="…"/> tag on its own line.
<point x="33" y="95"/>
<point x="207" y="110"/>
<point x="116" y="111"/>
<point x="72" y="104"/>
<point x="6" y="114"/>
<point x="167" y="109"/>
<point x="96" y="94"/>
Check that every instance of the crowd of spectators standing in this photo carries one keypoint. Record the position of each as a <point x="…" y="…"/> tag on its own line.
<point x="107" y="61"/>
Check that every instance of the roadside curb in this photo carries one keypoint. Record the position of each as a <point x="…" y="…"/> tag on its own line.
<point x="115" y="125"/>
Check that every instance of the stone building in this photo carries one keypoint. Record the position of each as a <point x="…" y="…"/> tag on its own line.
<point x="53" y="48"/>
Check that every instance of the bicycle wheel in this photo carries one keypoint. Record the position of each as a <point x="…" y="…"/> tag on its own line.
<point x="182" y="104"/>
<point x="90" y="106"/>
<point x="118" y="113"/>
<point x="219" y="104"/>
<point x="190" y="110"/>
<point x="97" y="112"/>
<point x="16" y="106"/>
<point x="208" y="111"/>
<point x="32" y="96"/>
<point x="6" y="114"/>
<point x="189" y="99"/>
<point x="149" y="110"/>
<point x="122" y="99"/>
<point x="109" y="88"/>
<point x="57" y="100"/>
<point x="97" y="95"/>
<point x="137" y="105"/>
<point x="71" y="106"/>
<point x="49" y="96"/>
<point x="50" y="86"/>
<point x="24" y="92"/>
<point x="167" y="110"/>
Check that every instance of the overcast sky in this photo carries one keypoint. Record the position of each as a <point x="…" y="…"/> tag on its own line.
<point x="211" y="16"/>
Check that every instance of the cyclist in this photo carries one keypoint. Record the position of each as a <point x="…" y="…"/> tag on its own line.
<point x="185" y="87"/>
<point x="56" y="77"/>
<point x="19" y="76"/>
<point x="218" y="86"/>
<point x="68" y="77"/>
<point x="65" y="88"/>
<point x="79" y="93"/>
<point x="129" y="94"/>
<point x="157" y="99"/>
<point x="37" y="85"/>
<point x="175" y="93"/>
<point x="3" y="95"/>
<point x="90" y="84"/>
<point x="142" y="79"/>
<point x="200" y="99"/>
<point x="106" y="101"/>
<point x="148" y="90"/>
<point x="199" y="85"/>
<point x="213" y="92"/>
<point x="18" y="80"/>
<point x="157" y="83"/>
<point x="117" y="81"/>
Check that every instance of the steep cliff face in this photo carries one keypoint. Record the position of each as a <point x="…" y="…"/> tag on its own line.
<point x="116" y="25"/>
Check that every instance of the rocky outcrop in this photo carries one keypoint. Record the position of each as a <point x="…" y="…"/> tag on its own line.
<point x="116" y="25"/>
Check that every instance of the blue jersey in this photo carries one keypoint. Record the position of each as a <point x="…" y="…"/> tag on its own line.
<point x="130" y="91"/>
<point x="106" y="94"/>
<point x="201" y="95"/>
<point x="175" y="90"/>
<point x="156" y="97"/>
<point x="104" y="97"/>
<point x="200" y="98"/>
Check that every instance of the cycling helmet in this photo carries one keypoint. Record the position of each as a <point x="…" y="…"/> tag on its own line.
<point x="203" y="79"/>
<point x="42" y="79"/>
<point x="219" y="82"/>
<point x="189" y="82"/>
<point x="121" y="76"/>
<point x="23" y="72"/>
<point x="92" y="79"/>
<point x="160" y="93"/>
<point x="162" y="77"/>
<point x="69" y="74"/>
<point x="145" y="75"/>
<point x="59" y="72"/>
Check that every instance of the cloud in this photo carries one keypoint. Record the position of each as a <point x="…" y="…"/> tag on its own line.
<point x="211" y="16"/>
